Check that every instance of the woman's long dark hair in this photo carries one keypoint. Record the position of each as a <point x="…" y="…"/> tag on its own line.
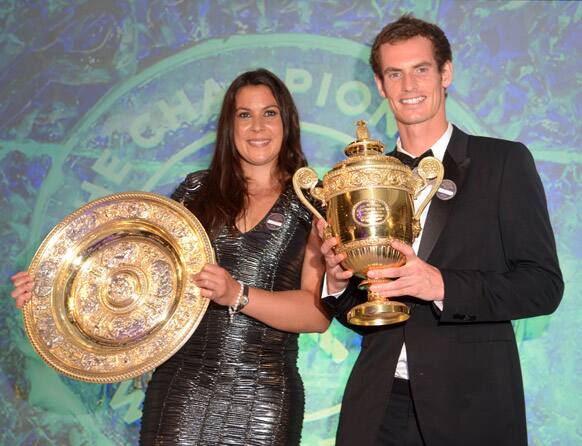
<point x="222" y="198"/>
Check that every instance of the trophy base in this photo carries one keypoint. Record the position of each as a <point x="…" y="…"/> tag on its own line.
<point x="378" y="312"/>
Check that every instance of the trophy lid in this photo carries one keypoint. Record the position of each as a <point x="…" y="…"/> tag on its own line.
<point x="363" y="145"/>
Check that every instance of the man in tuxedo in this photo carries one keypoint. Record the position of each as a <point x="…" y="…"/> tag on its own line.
<point x="450" y="375"/>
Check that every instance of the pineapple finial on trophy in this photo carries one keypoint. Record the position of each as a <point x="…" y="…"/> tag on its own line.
<point x="363" y="145"/>
<point x="362" y="131"/>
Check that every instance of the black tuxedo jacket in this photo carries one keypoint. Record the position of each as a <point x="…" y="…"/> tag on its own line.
<point x="494" y="246"/>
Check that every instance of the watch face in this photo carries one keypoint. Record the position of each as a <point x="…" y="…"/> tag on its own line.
<point x="244" y="299"/>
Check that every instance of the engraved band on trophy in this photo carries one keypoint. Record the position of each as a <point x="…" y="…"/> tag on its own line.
<point x="369" y="198"/>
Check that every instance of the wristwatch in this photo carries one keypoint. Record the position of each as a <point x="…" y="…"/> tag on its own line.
<point x="242" y="299"/>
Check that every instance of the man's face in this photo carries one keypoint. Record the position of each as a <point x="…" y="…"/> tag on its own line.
<point x="412" y="83"/>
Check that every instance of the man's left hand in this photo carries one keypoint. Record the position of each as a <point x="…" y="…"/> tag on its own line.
<point x="416" y="278"/>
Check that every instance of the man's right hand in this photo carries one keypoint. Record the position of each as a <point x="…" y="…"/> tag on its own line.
<point x="337" y="277"/>
<point x="23" y="284"/>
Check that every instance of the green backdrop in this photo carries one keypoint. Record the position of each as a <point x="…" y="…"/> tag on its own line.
<point x="106" y="96"/>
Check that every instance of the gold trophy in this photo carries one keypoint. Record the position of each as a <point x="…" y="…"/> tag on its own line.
<point x="370" y="200"/>
<point x="114" y="294"/>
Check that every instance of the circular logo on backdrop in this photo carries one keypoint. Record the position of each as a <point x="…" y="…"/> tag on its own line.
<point x="152" y="130"/>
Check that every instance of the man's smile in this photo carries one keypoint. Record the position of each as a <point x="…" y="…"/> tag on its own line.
<point x="413" y="101"/>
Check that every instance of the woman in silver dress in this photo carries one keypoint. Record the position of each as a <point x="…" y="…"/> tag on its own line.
<point x="236" y="382"/>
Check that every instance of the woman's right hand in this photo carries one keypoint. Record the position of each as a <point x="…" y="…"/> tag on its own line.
<point x="23" y="284"/>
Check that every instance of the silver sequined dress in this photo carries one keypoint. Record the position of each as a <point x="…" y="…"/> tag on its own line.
<point x="236" y="383"/>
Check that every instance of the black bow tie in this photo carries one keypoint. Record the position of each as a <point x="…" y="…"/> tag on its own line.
<point x="410" y="161"/>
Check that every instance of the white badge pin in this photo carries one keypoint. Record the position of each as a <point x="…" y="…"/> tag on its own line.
<point x="275" y="221"/>
<point x="447" y="190"/>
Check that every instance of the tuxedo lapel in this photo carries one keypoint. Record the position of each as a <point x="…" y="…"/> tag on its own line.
<point x="456" y="164"/>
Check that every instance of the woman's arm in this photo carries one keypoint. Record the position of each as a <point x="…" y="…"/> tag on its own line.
<point x="295" y="311"/>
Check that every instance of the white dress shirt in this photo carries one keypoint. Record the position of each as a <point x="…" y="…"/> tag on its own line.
<point x="438" y="149"/>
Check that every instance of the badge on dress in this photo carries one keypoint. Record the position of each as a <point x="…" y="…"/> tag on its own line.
<point x="275" y="221"/>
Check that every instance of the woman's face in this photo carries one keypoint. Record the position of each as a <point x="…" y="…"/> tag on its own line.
<point x="258" y="128"/>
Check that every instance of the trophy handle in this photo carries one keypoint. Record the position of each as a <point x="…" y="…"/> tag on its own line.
<point x="306" y="178"/>
<point x="429" y="169"/>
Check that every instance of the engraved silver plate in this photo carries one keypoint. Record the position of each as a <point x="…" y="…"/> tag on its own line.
<point x="113" y="292"/>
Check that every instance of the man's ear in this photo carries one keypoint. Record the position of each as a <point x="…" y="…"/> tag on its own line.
<point x="380" y="85"/>
<point x="447" y="74"/>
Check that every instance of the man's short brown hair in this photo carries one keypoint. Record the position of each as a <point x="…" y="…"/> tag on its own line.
<point x="407" y="27"/>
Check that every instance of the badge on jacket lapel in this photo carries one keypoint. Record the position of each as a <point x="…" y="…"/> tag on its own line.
<point x="447" y="190"/>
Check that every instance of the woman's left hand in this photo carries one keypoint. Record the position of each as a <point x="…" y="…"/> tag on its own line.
<point x="217" y="284"/>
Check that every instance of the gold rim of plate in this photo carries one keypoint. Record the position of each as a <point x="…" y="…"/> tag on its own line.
<point x="114" y="295"/>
